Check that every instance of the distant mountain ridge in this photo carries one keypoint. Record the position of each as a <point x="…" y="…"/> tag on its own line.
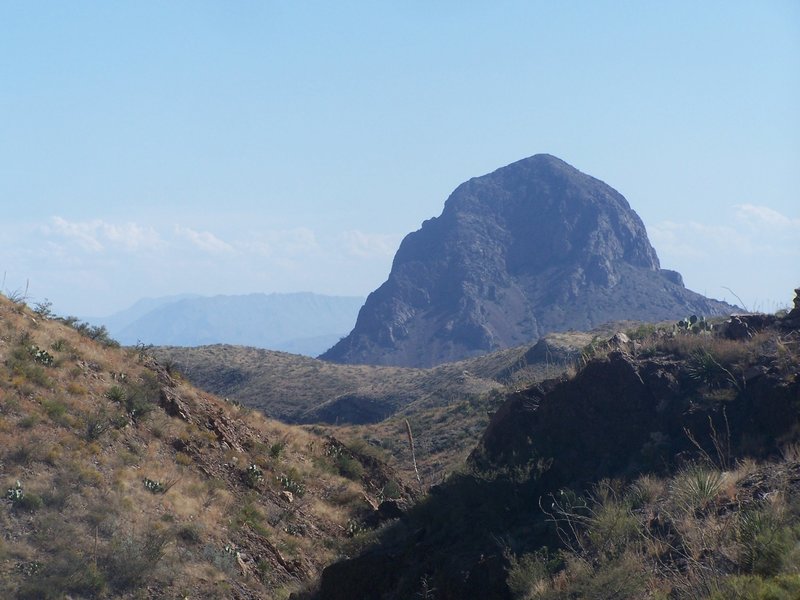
<point x="534" y="247"/>
<point x="300" y="323"/>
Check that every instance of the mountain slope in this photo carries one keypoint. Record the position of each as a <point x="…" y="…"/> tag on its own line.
<point x="534" y="247"/>
<point x="119" y="480"/>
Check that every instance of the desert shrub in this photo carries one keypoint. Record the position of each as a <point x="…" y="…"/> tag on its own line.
<point x="612" y="527"/>
<point x="95" y="425"/>
<point x="139" y="398"/>
<point x="28" y="421"/>
<point x="98" y="333"/>
<point x="530" y="573"/>
<point x="749" y="587"/>
<point x="250" y="515"/>
<point x="131" y="559"/>
<point x="620" y="579"/>
<point x="645" y="490"/>
<point x="600" y="524"/>
<point x="65" y="572"/>
<point x="765" y="541"/>
<point x="76" y="389"/>
<point x="349" y="467"/>
<point x="696" y="487"/>
<point x="276" y="449"/>
<point x="391" y="490"/>
<point x="642" y="332"/>
<point x="23" y="453"/>
<point x="56" y="410"/>
<point x="116" y="394"/>
<point x="61" y="345"/>
<point x="43" y="308"/>
<point x="705" y="368"/>
<point x="223" y="559"/>
<point x="189" y="533"/>
<point x="27" y="370"/>
<point x="30" y="502"/>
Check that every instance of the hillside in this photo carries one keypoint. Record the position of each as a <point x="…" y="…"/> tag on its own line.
<point x="301" y="323"/>
<point x="120" y="480"/>
<point x="532" y="248"/>
<point x="447" y="406"/>
<point x="666" y="467"/>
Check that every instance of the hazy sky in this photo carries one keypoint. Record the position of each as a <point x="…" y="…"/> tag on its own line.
<point x="152" y="148"/>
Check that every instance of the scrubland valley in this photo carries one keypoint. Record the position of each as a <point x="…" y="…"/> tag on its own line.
<point x="663" y="464"/>
<point x="568" y="423"/>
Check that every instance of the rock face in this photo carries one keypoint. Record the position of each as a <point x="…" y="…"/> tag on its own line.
<point x="537" y="246"/>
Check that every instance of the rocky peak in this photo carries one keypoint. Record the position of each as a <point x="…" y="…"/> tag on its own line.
<point x="534" y="247"/>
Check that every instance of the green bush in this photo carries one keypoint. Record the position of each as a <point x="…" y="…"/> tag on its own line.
<point x="349" y="467"/>
<point x="138" y="399"/>
<point x="526" y="573"/>
<point x="276" y="449"/>
<point x="190" y="533"/>
<point x="765" y="541"/>
<point x="748" y="587"/>
<point x="30" y="502"/>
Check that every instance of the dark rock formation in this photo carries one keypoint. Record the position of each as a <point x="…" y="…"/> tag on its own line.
<point x="534" y="247"/>
<point x="621" y="416"/>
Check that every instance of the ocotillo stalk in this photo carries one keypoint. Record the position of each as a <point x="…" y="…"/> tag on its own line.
<point x="413" y="455"/>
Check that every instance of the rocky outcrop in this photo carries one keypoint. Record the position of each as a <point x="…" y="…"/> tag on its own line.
<point x="537" y="246"/>
<point x="631" y="410"/>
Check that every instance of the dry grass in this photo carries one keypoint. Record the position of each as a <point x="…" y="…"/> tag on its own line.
<point x="82" y="455"/>
<point x="664" y="539"/>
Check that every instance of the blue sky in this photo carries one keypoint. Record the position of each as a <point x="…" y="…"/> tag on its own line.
<point x="153" y="148"/>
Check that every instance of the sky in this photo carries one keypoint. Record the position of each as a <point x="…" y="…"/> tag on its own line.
<point x="157" y="148"/>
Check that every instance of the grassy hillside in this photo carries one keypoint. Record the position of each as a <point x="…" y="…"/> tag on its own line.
<point x="119" y="480"/>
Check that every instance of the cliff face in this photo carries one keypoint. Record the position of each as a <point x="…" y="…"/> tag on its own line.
<point x="537" y="246"/>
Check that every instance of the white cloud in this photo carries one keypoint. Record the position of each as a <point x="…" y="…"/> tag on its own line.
<point x="204" y="240"/>
<point x="279" y="244"/>
<point x="96" y="266"/>
<point x="752" y="249"/>
<point x="765" y="217"/>
<point x="370" y="245"/>
<point x="98" y="235"/>
<point x="697" y="240"/>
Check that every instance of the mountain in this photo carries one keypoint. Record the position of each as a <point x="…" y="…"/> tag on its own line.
<point x="302" y="323"/>
<point x="534" y="247"/>
<point x="120" y="320"/>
